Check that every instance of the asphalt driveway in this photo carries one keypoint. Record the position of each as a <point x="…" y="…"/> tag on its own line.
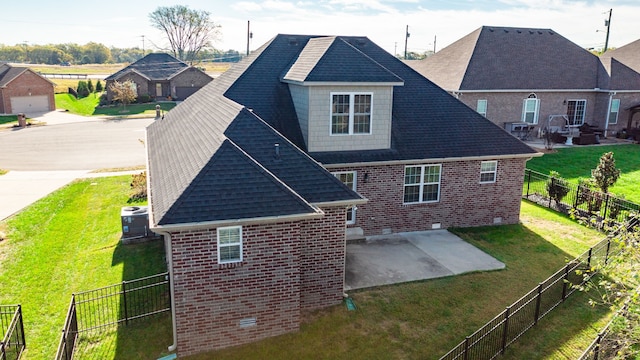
<point x="403" y="257"/>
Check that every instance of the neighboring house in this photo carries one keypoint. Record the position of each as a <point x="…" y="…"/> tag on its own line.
<point x="22" y="90"/>
<point x="520" y="75"/>
<point x="256" y="180"/>
<point x="161" y="76"/>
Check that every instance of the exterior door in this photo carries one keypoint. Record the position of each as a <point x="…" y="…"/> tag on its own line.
<point x="348" y="178"/>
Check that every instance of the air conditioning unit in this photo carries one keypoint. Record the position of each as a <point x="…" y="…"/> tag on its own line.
<point x="135" y="222"/>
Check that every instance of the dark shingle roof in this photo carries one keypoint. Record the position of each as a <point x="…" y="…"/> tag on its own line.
<point x="154" y="66"/>
<point x="628" y="55"/>
<point x="9" y="73"/>
<point x="250" y="109"/>
<point x="331" y="59"/>
<point x="498" y="58"/>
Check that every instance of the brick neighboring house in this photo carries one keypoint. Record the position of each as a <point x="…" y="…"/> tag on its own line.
<point x="22" y="90"/>
<point x="523" y="75"/>
<point x="256" y="180"/>
<point x="161" y="76"/>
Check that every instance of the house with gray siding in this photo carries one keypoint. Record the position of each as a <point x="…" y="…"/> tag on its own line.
<point x="257" y="180"/>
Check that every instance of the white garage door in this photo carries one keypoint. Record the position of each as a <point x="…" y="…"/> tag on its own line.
<point x="29" y="104"/>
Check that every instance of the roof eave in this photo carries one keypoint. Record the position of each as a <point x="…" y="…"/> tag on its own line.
<point x="343" y="83"/>
<point x="436" y="160"/>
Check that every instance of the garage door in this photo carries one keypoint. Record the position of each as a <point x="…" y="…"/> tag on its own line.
<point x="29" y="104"/>
<point x="184" y="92"/>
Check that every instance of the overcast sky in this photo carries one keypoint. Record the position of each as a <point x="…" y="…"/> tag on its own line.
<point x="122" y="23"/>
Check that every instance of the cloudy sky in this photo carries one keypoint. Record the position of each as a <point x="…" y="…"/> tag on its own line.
<point x="124" y="23"/>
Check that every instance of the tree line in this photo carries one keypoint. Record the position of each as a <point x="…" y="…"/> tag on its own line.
<point x="94" y="53"/>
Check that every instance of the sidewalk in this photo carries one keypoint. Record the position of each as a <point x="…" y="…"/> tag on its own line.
<point x="19" y="189"/>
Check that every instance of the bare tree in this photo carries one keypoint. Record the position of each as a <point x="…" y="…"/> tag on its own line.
<point x="188" y="31"/>
<point x="124" y="92"/>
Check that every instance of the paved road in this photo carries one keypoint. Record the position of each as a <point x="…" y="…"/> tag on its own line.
<point x="86" y="145"/>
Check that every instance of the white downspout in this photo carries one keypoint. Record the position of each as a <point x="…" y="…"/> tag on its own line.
<point x="606" y="123"/>
<point x="169" y="250"/>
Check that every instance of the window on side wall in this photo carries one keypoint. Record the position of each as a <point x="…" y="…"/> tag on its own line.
<point x="229" y="244"/>
<point x="481" y="108"/>
<point x="575" y="111"/>
<point x="422" y="184"/>
<point x="613" y="111"/>
<point x="488" y="171"/>
<point x="530" y="108"/>
<point x="351" y="113"/>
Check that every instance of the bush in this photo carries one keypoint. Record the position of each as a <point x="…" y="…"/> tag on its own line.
<point x="90" y="86"/>
<point x="99" y="87"/>
<point x="138" y="186"/>
<point x="557" y="187"/>
<point x="103" y="100"/>
<point x="83" y="89"/>
<point x="144" y="98"/>
<point x="73" y="92"/>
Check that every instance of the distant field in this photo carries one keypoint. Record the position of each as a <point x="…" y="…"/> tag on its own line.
<point x="108" y="69"/>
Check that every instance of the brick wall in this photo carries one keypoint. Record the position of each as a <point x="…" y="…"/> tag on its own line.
<point x="191" y="76"/>
<point x="211" y="299"/>
<point x="322" y="259"/>
<point x="142" y="85"/>
<point x="463" y="200"/>
<point x="27" y="84"/>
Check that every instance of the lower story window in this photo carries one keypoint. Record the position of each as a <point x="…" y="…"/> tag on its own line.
<point x="422" y="184"/>
<point x="488" y="170"/>
<point x="348" y="178"/>
<point x="229" y="244"/>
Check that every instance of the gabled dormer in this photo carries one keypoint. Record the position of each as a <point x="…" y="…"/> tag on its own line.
<point x="343" y="98"/>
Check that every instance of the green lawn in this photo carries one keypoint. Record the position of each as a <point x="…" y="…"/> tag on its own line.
<point x="3" y="171"/>
<point x="68" y="242"/>
<point x="575" y="162"/>
<point x="88" y="106"/>
<point x="5" y="119"/>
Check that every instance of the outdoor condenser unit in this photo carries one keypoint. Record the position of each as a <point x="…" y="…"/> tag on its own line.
<point x="135" y="221"/>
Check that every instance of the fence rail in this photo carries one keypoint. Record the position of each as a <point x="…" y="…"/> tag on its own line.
<point x="13" y="343"/>
<point x="588" y="202"/>
<point x="111" y="305"/>
<point x="494" y="337"/>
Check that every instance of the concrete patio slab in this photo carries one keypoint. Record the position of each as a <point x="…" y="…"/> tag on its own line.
<point x="403" y="257"/>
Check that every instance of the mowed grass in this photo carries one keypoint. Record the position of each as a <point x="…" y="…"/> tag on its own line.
<point x="82" y="106"/>
<point x="575" y="162"/>
<point x="66" y="243"/>
<point x="88" y="106"/>
<point x="7" y="119"/>
<point x="423" y="320"/>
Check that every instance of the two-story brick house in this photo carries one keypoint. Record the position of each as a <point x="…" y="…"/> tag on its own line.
<point x="255" y="180"/>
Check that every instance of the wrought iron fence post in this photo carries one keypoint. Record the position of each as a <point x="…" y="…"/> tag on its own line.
<point x="551" y="187"/>
<point x="528" y="181"/>
<point x="596" y="350"/>
<point x="575" y="202"/>
<point x="124" y="302"/>
<point x="565" y="282"/>
<point x="606" y="255"/>
<point x="4" y="356"/>
<point x="466" y="348"/>
<point x="538" y="301"/>
<point x="506" y="329"/>
<point x="589" y="258"/>
<point x="606" y="205"/>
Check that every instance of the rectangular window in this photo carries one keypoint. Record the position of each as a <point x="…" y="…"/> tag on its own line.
<point x="488" y="171"/>
<point x="229" y="244"/>
<point x="575" y="111"/>
<point x="350" y="114"/>
<point x="482" y="107"/>
<point x="530" y="108"/>
<point x="422" y="184"/>
<point x="348" y="178"/>
<point x="613" y="112"/>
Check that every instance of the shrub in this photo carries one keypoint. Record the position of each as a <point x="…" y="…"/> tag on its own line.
<point x="588" y="194"/>
<point x="557" y="187"/>
<point x="144" y="98"/>
<point x="138" y="186"/>
<point x="605" y="174"/>
<point x="99" y="87"/>
<point x="83" y="89"/>
<point x="104" y="100"/>
<point x="90" y="86"/>
<point x="73" y="92"/>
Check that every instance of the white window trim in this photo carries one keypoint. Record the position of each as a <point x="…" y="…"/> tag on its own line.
<point x="354" y="187"/>
<point x="486" y="104"/>
<point x="422" y="183"/>
<point x="352" y="95"/>
<point x="584" y="112"/>
<point x="612" y="120"/>
<point x="494" y="172"/>
<point x="535" y="112"/>
<point x="239" y="243"/>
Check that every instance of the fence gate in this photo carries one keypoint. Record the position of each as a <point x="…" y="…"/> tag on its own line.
<point x="13" y="342"/>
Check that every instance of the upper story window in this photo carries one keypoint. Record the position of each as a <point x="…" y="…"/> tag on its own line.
<point x="481" y="108"/>
<point x="229" y="244"/>
<point x="530" y="107"/>
<point x="488" y="171"/>
<point x="613" y="111"/>
<point x="350" y="113"/>
<point x="575" y="111"/>
<point x="422" y="184"/>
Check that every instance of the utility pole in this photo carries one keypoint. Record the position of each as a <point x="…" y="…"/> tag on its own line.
<point x="142" y="36"/>
<point x="406" y="38"/>
<point x="607" y="23"/>
<point x="249" y="35"/>
<point x="435" y="37"/>
<point x="395" y="48"/>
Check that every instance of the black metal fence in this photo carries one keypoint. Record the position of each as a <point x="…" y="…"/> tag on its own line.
<point x="601" y="348"/>
<point x="589" y="203"/>
<point x="11" y="322"/>
<point x="96" y="309"/>
<point x="494" y="337"/>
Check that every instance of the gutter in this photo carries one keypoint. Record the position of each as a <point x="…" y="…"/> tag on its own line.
<point x="433" y="160"/>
